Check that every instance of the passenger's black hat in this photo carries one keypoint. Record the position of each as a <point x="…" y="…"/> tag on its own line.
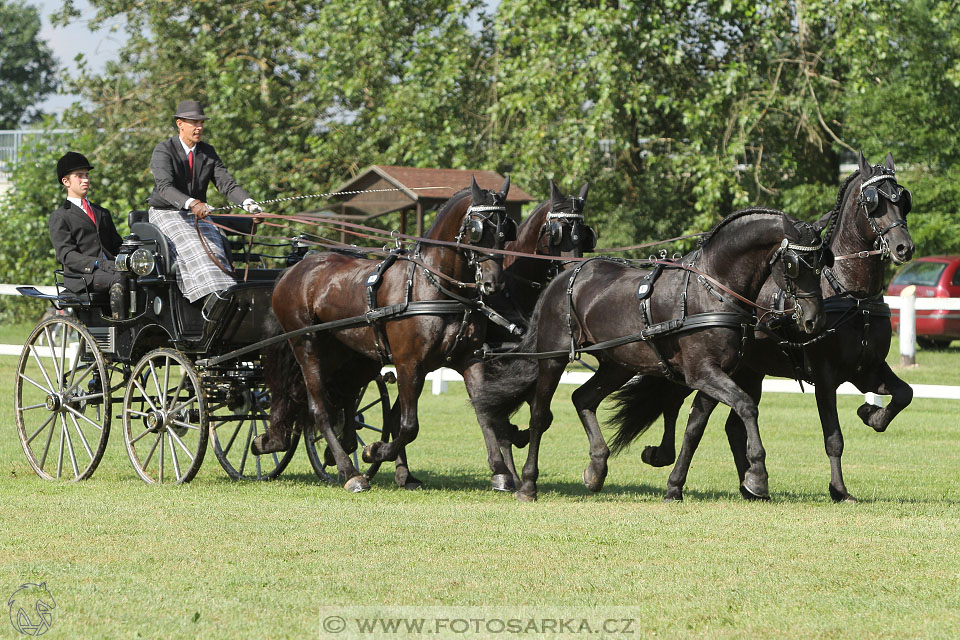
<point x="70" y="162"/>
<point x="190" y="110"/>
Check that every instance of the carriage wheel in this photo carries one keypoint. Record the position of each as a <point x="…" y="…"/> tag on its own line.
<point x="165" y="418"/>
<point x="370" y="416"/>
<point x="234" y="423"/>
<point x="62" y="412"/>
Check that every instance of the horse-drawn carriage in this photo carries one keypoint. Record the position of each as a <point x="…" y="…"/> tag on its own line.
<point x="77" y="369"/>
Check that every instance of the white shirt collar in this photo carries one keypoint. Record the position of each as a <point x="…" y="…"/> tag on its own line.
<point x="186" y="149"/>
<point x="77" y="202"/>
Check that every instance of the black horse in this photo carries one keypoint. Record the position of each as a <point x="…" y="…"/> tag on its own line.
<point x="334" y="365"/>
<point x="866" y="227"/>
<point x="687" y="325"/>
<point x="554" y="228"/>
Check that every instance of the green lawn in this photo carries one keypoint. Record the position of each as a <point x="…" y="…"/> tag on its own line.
<point x="226" y="560"/>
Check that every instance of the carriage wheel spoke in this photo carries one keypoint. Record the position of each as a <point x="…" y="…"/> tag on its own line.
<point x="185" y="425"/>
<point x="183" y="446"/>
<point x="176" y="394"/>
<point x="73" y="454"/>
<point x="73" y="366"/>
<point x="137" y="439"/>
<point x="233" y="437"/>
<point x="152" y="449"/>
<point x="76" y="413"/>
<point x="42" y="405"/>
<point x="160" y="473"/>
<point x="74" y="383"/>
<point x="184" y="404"/>
<point x="46" y="447"/>
<point x="161" y="397"/>
<point x="37" y="432"/>
<point x="246" y="450"/>
<point x="83" y="439"/>
<point x="63" y="428"/>
<point x="43" y="370"/>
<point x="173" y="456"/>
<point x="146" y="396"/>
<point x="52" y="346"/>
<point x="48" y="389"/>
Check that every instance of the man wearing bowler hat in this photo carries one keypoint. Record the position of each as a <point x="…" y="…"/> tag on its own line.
<point x="85" y="238"/>
<point x="183" y="167"/>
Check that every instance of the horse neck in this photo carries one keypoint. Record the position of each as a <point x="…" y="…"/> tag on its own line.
<point x="528" y="234"/>
<point x="862" y="277"/>
<point x="446" y="227"/>
<point x="738" y="254"/>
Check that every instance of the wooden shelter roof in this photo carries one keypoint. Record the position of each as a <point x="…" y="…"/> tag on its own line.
<point x="409" y="193"/>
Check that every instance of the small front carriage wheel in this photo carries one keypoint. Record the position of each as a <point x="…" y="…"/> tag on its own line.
<point x="61" y="406"/>
<point x="165" y="418"/>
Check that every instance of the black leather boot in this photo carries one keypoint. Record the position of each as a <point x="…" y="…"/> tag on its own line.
<point x="118" y="301"/>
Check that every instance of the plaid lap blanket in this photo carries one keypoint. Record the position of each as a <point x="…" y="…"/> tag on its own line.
<point x="198" y="275"/>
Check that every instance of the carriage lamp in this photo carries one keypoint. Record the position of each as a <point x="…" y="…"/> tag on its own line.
<point x="142" y="261"/>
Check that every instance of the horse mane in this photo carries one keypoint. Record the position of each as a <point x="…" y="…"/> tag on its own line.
<point x="834" y="214"/>
<point x="736" y="215"/>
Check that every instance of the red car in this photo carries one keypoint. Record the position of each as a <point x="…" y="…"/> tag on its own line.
<point x="934" y="277"/>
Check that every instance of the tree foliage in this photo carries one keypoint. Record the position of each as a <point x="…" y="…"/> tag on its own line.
<point x="677" y="111"/>
<point x="27" y="66"/>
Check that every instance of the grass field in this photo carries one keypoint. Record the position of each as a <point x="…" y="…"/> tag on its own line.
<point x="224" y="560"/>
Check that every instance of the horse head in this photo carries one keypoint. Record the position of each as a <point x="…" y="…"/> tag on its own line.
<point x="486" y="225"/>
<point x="797" y="266"/>
<point x="563" y="232"/>
<point x="881" y="207"/>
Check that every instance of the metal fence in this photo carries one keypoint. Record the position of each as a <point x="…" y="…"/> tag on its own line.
<point x="12" y="143"/>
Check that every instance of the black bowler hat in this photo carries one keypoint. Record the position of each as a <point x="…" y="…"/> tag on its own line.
<point x="70" y="162"/>
<point x="190" y="110"/>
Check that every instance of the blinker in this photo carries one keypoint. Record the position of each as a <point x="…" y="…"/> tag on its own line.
<point x="475" y="231"/>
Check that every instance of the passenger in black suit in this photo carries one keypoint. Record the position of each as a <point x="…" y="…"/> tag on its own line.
<point x="85" y="238"/>
<point x="183" y="167"/>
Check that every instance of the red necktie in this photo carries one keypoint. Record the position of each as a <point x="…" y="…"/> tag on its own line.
<point x="86" y="207"/>
<point x="190" y="162"/>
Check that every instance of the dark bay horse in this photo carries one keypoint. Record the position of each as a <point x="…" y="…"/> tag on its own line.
<point x="866" y="227"/>
<point x="555" y="227"/>
<point x="688" y="324"/>
<point x="335" y="364"/>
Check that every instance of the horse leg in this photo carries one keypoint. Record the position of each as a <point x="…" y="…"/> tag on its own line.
<point x="504" y="476"/>
<point x="402" y="475"/>
<point x="826" y="392"/>
<point x="540" y="419"/>
<point x="410" y="380"/>
<point x="665" y="453"/>
<point x="586" y="399"/>
<point x="719" y="385"/>
<point x="879" y="418"/>
<point x="306" y="355"/>
<point x="752" y="383"/>
<point x="703" y="406"/>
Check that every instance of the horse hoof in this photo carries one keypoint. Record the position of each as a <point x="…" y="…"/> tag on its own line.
<point x="519" y="438"/>
<point x="268" y="443"/>
<point x="526" y="497"/>
<point x="668" y="498"/>
<point x="357" y="484"/>
<point x="413" y="485"/>
<point x="502" y="482"/>
<point x="868" y="414"/>
<point x="371" y="452"/>
<point x="651" y="456"/>
<point x="754" y="489"/>
<point x="841" y="496"/>
<point x="592" y="480"/>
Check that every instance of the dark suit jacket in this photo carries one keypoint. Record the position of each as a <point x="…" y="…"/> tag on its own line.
<point x="173" y="187"/>
<point x="79" y="243"/>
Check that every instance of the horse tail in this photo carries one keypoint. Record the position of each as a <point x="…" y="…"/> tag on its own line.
<point x="637" y="405"/>
<point x="289" y="402"/>
<point x="509" y="381"/>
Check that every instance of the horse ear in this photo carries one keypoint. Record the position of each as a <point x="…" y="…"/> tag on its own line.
<point x="475" y="191"/>
<point x="555" y="195"/>
<point x="505" y="187"/>
<point x="583" y="191"/>
<point x="888" y="163"/>
<point x="863" y="164"/>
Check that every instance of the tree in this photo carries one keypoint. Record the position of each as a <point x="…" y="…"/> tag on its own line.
<point x="27" y="67"/>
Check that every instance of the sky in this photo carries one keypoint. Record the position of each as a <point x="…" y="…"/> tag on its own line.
<point x="66" y="42"/>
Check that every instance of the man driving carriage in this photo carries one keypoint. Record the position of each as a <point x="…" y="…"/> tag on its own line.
<point x="85" y="239"/>
<point x="183" y="167"/>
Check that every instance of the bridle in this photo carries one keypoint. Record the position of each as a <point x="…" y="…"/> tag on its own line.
<point x="869" y="200"/>
<point x="478" y="219"/>
<point x="582" y="238"/>
<point x="814" y="257"/>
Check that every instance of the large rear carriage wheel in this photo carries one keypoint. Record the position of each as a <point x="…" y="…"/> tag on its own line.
<point x="62" y="411"/>
<point x="234" y="422"/>
<point x="370" y="418"/>
<point x="165" y="418"/>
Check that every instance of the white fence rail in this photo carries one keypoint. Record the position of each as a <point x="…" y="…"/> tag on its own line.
<point x="907" y="304"/>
